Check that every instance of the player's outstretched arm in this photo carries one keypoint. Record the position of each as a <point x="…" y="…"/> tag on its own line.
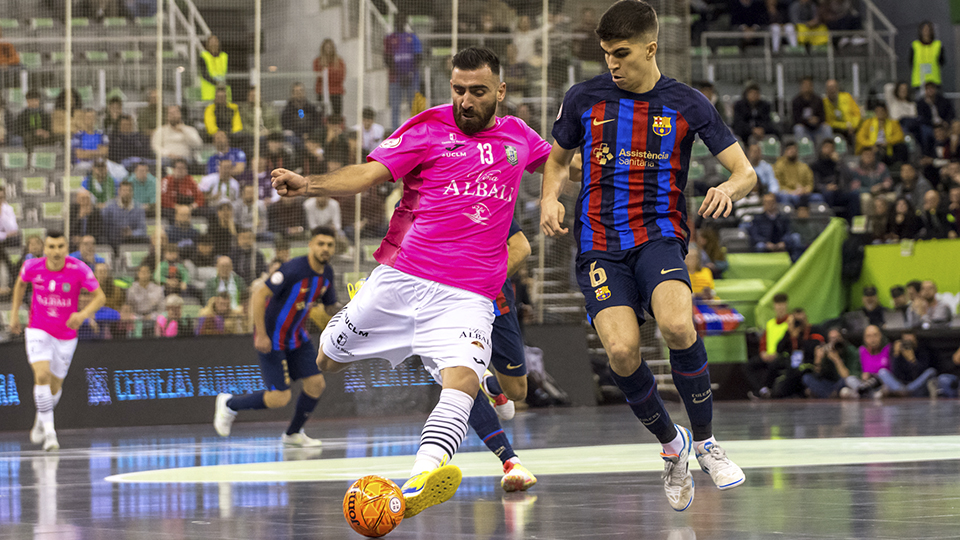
<point x="19" y="289"/>
<point x="719" y="200"/>
<point x="349" y="180"/>
<point x="555" y="173"/>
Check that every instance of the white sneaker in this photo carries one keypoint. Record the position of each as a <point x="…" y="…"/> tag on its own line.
<point x="36" y="434"/>
<point x="50" y="442"/>
<point x="504" y="406"/>
<point x="224" y="416"/>
<point x="677" y="480"/>
<point x="714" y="461"/>
<point x="300" y="439"/>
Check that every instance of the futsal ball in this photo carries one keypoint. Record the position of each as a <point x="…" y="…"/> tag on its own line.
<point x="373" y="506"/>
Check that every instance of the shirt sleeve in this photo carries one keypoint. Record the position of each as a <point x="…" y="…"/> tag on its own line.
<point x="27" y="271"/>
<point x="539" y="149"/>
<point x="277" y="281"/>
<point x="330" y="296"/>
<point x="404" y="152"/>
<point x="705" y="121"/>
<point x="88" y="280"/>
<point x="514" y="228"/>
<point x="568" y="130"/>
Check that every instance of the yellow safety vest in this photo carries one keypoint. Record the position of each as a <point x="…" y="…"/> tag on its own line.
<point x="217" y="67"/>
<point x="926" y="63"/>
<point x="775" y="333"/>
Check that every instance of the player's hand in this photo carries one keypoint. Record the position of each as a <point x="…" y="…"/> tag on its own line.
<point x="262" y="343"/>
<point x="551" y="218"/>
<point x="75" y="321"/>
<point x="716" y="204"/>
<point x="15" y="325"/>
<point x="288" y="183"/>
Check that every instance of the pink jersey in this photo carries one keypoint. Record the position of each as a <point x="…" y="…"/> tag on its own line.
<point x="56" y="294"/>
<point x="459" y="193"/>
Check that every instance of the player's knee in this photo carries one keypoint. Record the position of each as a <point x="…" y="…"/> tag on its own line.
<point x="623" y="356"/>
<point x="275" y="399"/>
<point x="461" y="378"/>
<point x="43" y="377"/>
<point x="514" y="388"/>
<point x="314" y="386"/>
<point x="678" y="332"/>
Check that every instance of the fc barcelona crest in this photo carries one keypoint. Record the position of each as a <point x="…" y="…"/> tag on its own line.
<point x="511" y="154"/>
<point x="603" y="293"/>
<point x="661" y="125"/>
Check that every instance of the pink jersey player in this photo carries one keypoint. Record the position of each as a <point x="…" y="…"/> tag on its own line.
<point x="56" y="295"/>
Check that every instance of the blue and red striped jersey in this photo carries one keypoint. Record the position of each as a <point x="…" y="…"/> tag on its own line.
<point x="636" y="154"/>
<point x="296" y="287"/>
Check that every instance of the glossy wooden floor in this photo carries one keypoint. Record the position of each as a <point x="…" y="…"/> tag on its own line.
<point x="814" y="470"/>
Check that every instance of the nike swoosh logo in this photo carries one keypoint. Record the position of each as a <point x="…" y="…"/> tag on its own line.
<point x="602" y="123"/>
<point x="511" y="366"/>
<point x="702" y="400"/>
<point x="662" y="272"/>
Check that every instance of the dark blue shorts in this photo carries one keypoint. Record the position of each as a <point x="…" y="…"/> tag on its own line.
<point x="507" y="356"/>
<point x="628" y="278"/>
<point x="300" y="363"/>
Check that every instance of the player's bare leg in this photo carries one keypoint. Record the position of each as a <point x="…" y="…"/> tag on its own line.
<point x="502" y="390"/>
<point x="514" y="388"/>
<point x="672" y="304"/>
<point x="46" y="393"/>
<point x="327" y="364"/>
<point x="619" y="331"/>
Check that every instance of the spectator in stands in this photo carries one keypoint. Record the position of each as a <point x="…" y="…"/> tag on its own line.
<point x="174" y="139"/>
<point x="714" y="256"/>
<point x="269" y="118"/>
<point x="878" y="222"/>
<point x="145" y="296"/>
<point x="220" y="187"/>
<point x="701" y="278"/>
<point x="100" y="183"/>
<point x="337" y="148"/>
<point x="222" y="115"/>
<point x="323" y="212"/>
<point x="179" y="188"/>
<point x="286" y="217"/>
<point x="912" y="185"/>
<point x="8" y="54"/>
<point x="144" y="187"/>
<point x="59" y="119"/>
<point x="883" y="133"/>
<point x="926" y="57"/>
<point x="762" y="370"/>
<point x="181" y="232"/>
<point x="913" y="290"/>
<point x="88" y="143"/>
<point x="935" y="221"/>
<point x="223" y="229"/>
<point x="312" y="158"/>
<point x="808" y="114"/>
<point x="85" y="218"/>
<point x="901" y="107"/>
<point x="299" y="116"/>
<point x="797" y="351"/>
<point x="780" y="26"/>
<point x="172" y="268"/>
<point x="751" y="205"/>
<point x="707" y="89"/>
<point x="829" y="168"/>
<point x="806" y="228"/>
<point x="925" y="310"/>
<point x="236" y="156"/>
<point x="874" y="356"/>
<point x="281" y="249"/>
<point x="401" y="54"/>
<point x="794" y="176"/>
<point x="871" y="175"/>
<point x="953" y="204"/>
<point x="116" y="296"/>
<point x="517" y="74"/>
<point x="243" y="212"/>
<point x="949" y="379"/>
<point x="101" y="325"/>
<point x="112" y="114"/>
<point x="910" y="369"/>
<point x="840" y="15"/>
<point x="901" y="302"/>
<point x="834" y="183"/>
<point x="147" y="115"/>
<point x="125" y="221"/>
<point x="751" y="115"/>
<point x="278" y="156"/>
<point x="587" y="48"/>
<point x="526" y="38"/>
<point x="810" y="29"/>
<point x="213" y="71"/>
<point x="841" y="111"/>
<point x="219" y="317"/>
<point x="933" y="110"/>
<point x="330" y="61"/>
<point x="770" y="231"/>
<point x="905" y="223"/>
<point x="748" y="16"/>
<point x="171" y="284"/>
<point x="247" y="259"/>
<point x="128" y="146"/>
<point x="9" y="230"/>
<point x="371" y="132"/>
<point x="836" y="365"/>
<point x="173" y="324"/>
<point x="874" y="313"/>
<point x="33" y="123"/>
<point x="226" y="281"/>
<point x="204" y="256"/>
<point x="765" y="174"/>
<point x="87" y="252"/>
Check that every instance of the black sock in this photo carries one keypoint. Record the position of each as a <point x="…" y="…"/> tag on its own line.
<point x="640" y="389"/>
<point x="483" y="420"/>
<point x="691" y="376"/>
<point x="305" y="406"/>
<point x="247" y="401"/>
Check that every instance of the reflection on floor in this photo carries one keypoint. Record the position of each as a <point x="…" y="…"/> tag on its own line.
<point x="814" y="470"/>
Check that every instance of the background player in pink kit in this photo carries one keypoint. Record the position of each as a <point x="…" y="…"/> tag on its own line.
<point x="51" y="335"/>
<point x="444" y="257"/>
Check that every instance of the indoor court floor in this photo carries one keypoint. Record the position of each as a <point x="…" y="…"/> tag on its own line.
<point x="819" y="470"/>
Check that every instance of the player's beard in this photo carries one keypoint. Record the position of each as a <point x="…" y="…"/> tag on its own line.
<point x="477" y="119"/>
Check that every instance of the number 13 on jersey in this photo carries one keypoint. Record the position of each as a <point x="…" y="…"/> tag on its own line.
<point x="486" y="153"/>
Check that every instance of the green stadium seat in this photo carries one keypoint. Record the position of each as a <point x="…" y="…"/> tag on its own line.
<point x="268" y="253"/>
<point x="770" y="147"/>
<point x="52" y="92"/>
<point x="86" y="93"/>
<point x="696" y="171"/>
<point x="146" y="22"/>
<point x="299" y="251"/>
<point x="805" y="148"/>
<point x="45" y="161"/>
<point x="41" y="23"/>
<point x="131" y="56"/>
<point x="15" y="98"/>
<point x="793" y="51"/>
<point x="14" y="160"/>
<point x="9" y="24"/>
<point x="76" y="182"/>
<point x="841" y="144"/>
<point x="133" y="258"/>
<point x="58" y="57"/>
<point x="115" y="22"/>
<point x="17" y="209"/>
<point x="190" y="311"/>
<point x="699" y="51"/>
<point x="819" y="49"/>
<point x="171" y="55"/>
<point x="97" y="56"/>
<point x="52" y="210"/>
<point x="31" y="60"/>
<point x="368" y="250"/>
<point x="699" y="149"/>
<point x="35" y="185"/>
<point x="80" y="22"/>
<point x="35" y="231"/>
<point x="728" y="51"/>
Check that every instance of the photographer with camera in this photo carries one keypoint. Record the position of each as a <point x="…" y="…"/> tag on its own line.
<point x="911" y="373"/>
<point x="836" y="365"/>
<point x="797" y="351"/>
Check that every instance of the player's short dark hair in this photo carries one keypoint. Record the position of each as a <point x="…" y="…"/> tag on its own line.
<point x="780" y="298"/>
<point x="627" y="19"/>
<point x="915" y="284"/>
<point x="474" y="58"/>
<point x="59" y="234"/>
<point x="326" y="231"/>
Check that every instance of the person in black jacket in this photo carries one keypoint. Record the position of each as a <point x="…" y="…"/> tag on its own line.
<point x="300" y="116"/>
<point x="808" y="114"/>
<point x="33" y="123"/>
<point x="932" y="110"/>
<point x="770" y="230"/>
<point x="751" y="115"/>
<point x="911" y="367"/>
<point x="935" y="222"/>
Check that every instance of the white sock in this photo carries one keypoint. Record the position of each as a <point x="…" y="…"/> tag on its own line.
<point x="444" y="431"/>
<point x="56" y="397"/>
<point x="515" y="460"/>
<point x="44" y="402"/>
<point x="697" y="445"/>
<point x="675" y="446"/>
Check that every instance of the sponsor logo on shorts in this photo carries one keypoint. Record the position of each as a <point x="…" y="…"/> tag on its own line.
<point x="479" y="361"/>
<point x="702" y="396"/>
<point x="603" y="293"/>
<point x="477" y="344"/>
<point x="353" y="328"/>
<point x="342" y="339"/>
<point x="474" y="334"/>
<point x="511" y="366"/>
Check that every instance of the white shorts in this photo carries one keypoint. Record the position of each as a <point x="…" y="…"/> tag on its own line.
<point x="396" y="315"/>
<point x="42" y="347"/>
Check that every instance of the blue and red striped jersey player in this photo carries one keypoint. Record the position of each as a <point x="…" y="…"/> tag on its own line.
<point x="279" y="310"/>
<point x="634" y="129"/>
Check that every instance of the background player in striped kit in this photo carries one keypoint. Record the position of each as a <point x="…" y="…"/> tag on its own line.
<point x="279" y="309"/>
<point x="635" y="130"/>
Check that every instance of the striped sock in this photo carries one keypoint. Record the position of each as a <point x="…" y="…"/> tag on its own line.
<point x="444" y="430"/>
<point x="44" y="401"/>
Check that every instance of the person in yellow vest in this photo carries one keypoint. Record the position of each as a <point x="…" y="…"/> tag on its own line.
<point x="885" y="134"/>
<point x="763" y="369"/>
<point x="841" y="111"/>
<point x="926" y="57"/>
<point x="222" y="115"/>
<point x="701" y="278"/>
<point x="213" y="71"/>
